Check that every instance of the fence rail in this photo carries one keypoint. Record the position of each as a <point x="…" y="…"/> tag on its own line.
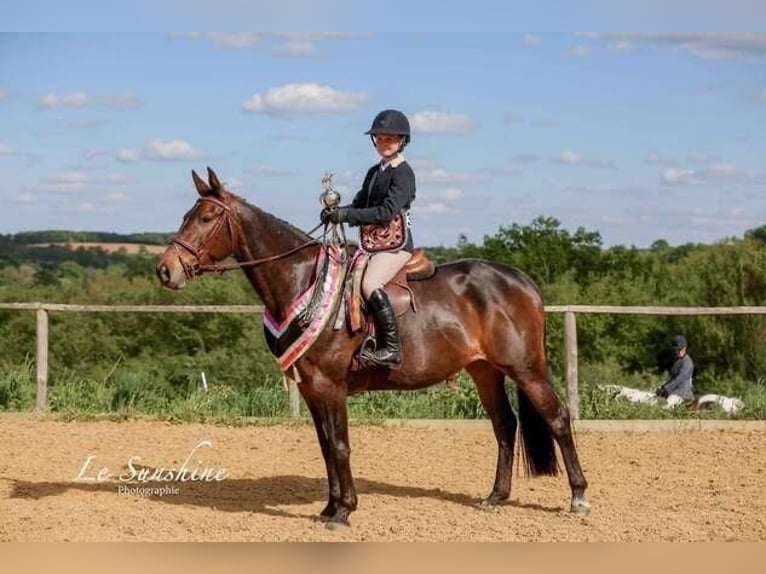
<point x="570" y="333"/>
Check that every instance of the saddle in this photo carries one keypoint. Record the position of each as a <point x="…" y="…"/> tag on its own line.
<point x="419" y="267"/>
<point x="399" y="293"/>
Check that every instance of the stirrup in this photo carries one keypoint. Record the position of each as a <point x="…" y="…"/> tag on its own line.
<point x="370" y="344"/>
<point x="369" y="359"/>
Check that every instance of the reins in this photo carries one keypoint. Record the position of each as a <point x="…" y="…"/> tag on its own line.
<point x="196" y="268"/>
<point x="216" y="268"/>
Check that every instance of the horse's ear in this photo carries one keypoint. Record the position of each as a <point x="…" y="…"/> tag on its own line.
<point x="212" y="178"/>
<point x="202" y="188"/>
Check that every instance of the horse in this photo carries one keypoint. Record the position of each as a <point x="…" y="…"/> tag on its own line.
<point x="730" y="405"/>
<point x="480" y="316"/>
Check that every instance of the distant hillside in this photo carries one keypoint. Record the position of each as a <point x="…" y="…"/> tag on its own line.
<point x="86" y="248"/>
<point x="57" y="236"/>
<point x="128" y="248"/>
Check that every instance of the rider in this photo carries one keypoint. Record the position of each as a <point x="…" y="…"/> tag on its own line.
<point x="385" y="197"/>
<point x="679" y="388"/>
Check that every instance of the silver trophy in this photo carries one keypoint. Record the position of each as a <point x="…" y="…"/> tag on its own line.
<point x="330" y="198"/>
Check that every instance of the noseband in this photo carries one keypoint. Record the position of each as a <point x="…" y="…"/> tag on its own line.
<point x="231" y="220"/>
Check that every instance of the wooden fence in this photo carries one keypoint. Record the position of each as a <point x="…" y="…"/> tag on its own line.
<point x="570" y="333"/>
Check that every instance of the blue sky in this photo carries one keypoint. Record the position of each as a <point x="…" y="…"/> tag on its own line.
<point x="638" y="136"/>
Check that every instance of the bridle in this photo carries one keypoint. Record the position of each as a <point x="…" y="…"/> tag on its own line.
<point x="234" y="227"/>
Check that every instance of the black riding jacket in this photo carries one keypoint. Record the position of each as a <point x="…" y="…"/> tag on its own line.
<point x="383" y="195"/>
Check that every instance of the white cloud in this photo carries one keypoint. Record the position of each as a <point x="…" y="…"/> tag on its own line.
<point x="571" y="158"/>
<point x="441" y="122"/>
<point x="170" y="150"/>
<point x="578" y="51"/>
<point x="532" y="40"/>
<point x="86" y="206"/>
<point x="297" y="48"/>
<point x="160" y="150"/>
<point x="79" y="182"/>
<point x="675" y="176"/>
<point x="604" y="189"/>
<point x="25" y="197"/>
<point x="268" y="170"/>
<point x="70" y="126"/>
<point x="128" y="155"/>
<point x="514" y="119"/>
<point x="439" y="175"/>
<point x="114" y="179"/>
<point x="74" y="100"/>
<point x="284" y="44"/>
<point x="702" y="45"/>
<point x="657" y="159"/>
<point x="432" y="207"/>
<point x="117" y="197"/>
<point x="452" y="193"/>
<point x="68" y="182"/>
<point x="717" y="173"/>
<point x="81" y="99"/>
<point x="121" y="102"/>
<point x="233" y="184"/>
<point x="226" y="40"/>
<point x="303" y="99"/>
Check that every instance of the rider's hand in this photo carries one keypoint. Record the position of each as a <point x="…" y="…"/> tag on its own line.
<point x="333" y="215"/>
<point x="324" y="217"/>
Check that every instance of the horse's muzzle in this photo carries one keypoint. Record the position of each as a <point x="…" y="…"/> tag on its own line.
<point x="170" y="277"/>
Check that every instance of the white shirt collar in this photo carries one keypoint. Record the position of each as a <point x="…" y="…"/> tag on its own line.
<point x="395" y="161"/>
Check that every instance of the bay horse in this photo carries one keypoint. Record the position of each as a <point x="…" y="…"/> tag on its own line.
<point x="476" y="315"/>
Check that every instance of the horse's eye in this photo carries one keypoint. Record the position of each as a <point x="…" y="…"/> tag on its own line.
<point x="207" y="218"/>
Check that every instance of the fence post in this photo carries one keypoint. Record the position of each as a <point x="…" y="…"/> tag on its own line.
<point x="41" y="402"/>
<point x="294" y="398"/>
<point x="570" y="360"/>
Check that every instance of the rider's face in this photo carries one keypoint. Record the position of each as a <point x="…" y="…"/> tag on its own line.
<point x="388" y="144"/>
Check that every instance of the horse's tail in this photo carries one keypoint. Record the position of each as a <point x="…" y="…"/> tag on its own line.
<point x="538" y="450"/>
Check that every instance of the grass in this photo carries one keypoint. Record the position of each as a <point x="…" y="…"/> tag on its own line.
<point x="130" y="392"/>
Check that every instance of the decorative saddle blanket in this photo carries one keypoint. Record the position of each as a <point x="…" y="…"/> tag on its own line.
<point x="336" y="276"/>
<point x="308" y="314"/>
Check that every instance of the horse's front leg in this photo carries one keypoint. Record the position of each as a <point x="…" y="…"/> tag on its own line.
<point x="326" y="401"/>
<point x="340" y="452"/>
<point x="320" y="423"/>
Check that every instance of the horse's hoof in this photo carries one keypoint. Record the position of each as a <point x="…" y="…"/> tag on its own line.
<point x="580" y="506"/>
<point x="337" y="526"/>
<point x="488" y="505"/>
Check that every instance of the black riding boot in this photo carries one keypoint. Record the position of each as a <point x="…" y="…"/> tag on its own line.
<point x="389" y="354"/>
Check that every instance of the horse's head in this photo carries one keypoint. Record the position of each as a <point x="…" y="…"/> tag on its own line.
<point x="208" y="234"/>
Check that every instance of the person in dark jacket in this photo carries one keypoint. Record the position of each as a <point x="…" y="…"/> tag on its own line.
<point x="381" y="205"/>
<point x="679" y="388"/>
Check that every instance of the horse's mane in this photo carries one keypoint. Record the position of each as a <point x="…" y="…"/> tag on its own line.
<point x="273" y="223"/>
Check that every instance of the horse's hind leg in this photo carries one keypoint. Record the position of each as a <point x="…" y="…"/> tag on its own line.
<point x="542" y="409"/>
<point x="490" y="383"/>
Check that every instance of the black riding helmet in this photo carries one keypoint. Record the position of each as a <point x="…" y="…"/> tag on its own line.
<point x="390" y="122"/>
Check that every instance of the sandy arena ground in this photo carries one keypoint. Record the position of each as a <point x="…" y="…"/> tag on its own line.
<point x="414" y="484"/>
